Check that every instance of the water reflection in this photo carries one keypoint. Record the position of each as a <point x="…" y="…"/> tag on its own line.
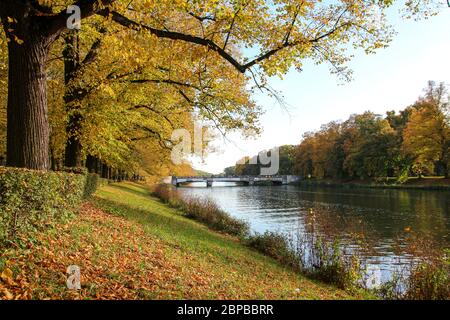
<point x="383" y="215"/>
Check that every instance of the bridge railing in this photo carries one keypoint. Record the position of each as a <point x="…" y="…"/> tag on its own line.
<point x="235" y="177"/>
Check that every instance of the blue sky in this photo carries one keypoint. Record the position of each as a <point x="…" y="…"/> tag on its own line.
<point x="389" y="80"/>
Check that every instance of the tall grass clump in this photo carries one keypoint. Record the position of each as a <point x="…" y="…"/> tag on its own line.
<point x="429" y="280"/>
<point x="426" y="277"/>
<point x="318" y="259"/>
<point x="209" y="213"/>
<point x="277" y="246"/>
<point x="325" y="259"/>
<point x="203" y="210"/>
<point x="167" y="195"/>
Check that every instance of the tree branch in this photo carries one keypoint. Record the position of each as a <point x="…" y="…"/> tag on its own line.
<point x="124" y="21"/>
<point x="173" y="35"/>
<point x="57" y="23"/>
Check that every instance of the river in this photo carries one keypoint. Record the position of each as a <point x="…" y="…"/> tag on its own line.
<point x="385" y="216"/>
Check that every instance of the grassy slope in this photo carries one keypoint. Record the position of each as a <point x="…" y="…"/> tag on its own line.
<point x="130" y="246"/>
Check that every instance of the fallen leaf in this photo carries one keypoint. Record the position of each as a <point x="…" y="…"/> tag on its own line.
<point x="6" y="275"/>
<point x="8" y="295"/>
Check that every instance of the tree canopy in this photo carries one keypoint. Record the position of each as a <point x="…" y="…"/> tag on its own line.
<point x="137" y="70"/>
<point x="412" y="142"/>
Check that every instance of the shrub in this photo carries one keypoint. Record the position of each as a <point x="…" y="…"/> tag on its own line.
<point x="168" y="195"/>
<point x="275" y="245"/>
<point x="429" y="280"/>
<point x="330" y="264"/>
<point x="207" y="212"/>
<point x="33" y="200"/>
<point x="91" y="185"/>
<point x="426" y="277"/>
<point x="93" y="180"/>
<point x="203" y="210"/>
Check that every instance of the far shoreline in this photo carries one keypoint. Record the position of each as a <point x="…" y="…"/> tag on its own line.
<point x="431" y="184"/>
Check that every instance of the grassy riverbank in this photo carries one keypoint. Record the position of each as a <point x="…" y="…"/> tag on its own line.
<point x="131" y="246"/>
<point x="430" y="183"/>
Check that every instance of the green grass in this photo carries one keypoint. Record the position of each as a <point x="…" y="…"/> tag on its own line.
<point x="131" y="246"/>
<point x="225" y="259"/>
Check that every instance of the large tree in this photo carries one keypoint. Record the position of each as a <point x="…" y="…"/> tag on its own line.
<point x="370" y="146"/>
<point x="31" y="29"/>
<point x="285" y="33"/>
<point x="426" y="138"/>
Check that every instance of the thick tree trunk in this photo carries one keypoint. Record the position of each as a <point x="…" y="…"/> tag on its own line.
<point x="31" y="29"/>
<point x="73" y="152"/>
<point x="28" y="128"/>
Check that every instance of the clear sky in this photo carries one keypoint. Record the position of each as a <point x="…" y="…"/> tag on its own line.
<point x="392" y="79"/>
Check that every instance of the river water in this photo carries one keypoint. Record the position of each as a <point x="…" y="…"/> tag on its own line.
<point x="385" y="216"/>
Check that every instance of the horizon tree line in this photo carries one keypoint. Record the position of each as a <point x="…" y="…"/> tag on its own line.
<point x="412" y="142"/>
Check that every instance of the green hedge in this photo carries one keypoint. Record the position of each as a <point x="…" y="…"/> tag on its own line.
<point x="91" y="184"/>
<point x="30" y="201"/>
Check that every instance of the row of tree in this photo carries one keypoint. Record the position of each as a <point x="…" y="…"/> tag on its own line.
<point x="115" y="96"/>
<point x="251" y="166"/>
<point x="413" y="142"/>
<point x="114" y="91"/>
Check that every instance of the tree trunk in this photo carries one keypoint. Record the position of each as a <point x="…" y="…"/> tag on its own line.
<point x="28" y="128"/>
<point x="105" y="171"/>
<point x="73" y="152"/>
<point x="31" y="29"/>
<point x="53" y="161"/>
<point x="90" y="164"/>
<point x="445" y="169"/>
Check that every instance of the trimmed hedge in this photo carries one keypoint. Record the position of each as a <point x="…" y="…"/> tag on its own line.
<point x="30" y="200"/>
<point x="91" y="185"/>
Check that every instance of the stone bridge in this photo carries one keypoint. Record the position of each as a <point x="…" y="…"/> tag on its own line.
<point x="247" y="180"/>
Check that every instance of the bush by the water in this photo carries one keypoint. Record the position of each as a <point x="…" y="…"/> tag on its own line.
<point x="202" y="210"/>
<point x="328" y="263"/>
<point x="427" y="277"/>
<point x="322" y="260"/>
<point x="207" y="212"/>
<point x="167" y="194"/>
<point x="430" y="280"/>
<point x="32" y="200"/>
<point x="275" y="245"/>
